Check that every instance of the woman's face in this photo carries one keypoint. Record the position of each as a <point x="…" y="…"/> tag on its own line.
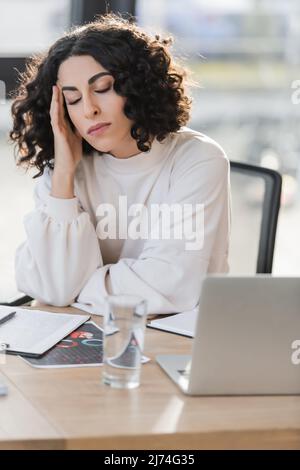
<point x="91" y="100"/>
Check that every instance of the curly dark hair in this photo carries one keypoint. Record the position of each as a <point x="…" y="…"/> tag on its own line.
<point x="144" y="72"/>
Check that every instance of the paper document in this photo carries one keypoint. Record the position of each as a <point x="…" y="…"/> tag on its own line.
<point x="87" y="308"/>
<point x="181" y="323"/>
<point x="33" y="332"/>
<point x="82" y="348"/>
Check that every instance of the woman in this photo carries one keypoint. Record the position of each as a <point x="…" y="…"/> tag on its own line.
<point x="128" y="199"/>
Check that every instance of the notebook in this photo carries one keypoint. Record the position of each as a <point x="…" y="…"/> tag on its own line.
<point x="33" y="332"/>
<point x="181" y="323"/>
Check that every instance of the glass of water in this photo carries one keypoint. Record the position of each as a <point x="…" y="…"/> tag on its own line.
<point x="123" y="340"/>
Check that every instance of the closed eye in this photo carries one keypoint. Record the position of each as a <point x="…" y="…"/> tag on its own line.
<point x="74" y="102"/>
<point x="96" y="91"/>
<point x="102" y="91"/>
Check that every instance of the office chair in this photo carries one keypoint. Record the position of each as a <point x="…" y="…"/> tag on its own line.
<point x="256" y="193"/>
<point x="255" y="206"/>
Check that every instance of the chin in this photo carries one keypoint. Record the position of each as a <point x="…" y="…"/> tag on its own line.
<point x="101" y="146"/>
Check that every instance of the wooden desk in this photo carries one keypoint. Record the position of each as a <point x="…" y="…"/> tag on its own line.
<point x="72" y="409"/>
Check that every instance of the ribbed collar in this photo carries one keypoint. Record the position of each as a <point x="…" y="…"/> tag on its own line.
<point x="140" y="162"/>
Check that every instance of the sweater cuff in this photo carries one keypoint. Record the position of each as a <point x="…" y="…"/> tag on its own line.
<point x="62" y="210"/>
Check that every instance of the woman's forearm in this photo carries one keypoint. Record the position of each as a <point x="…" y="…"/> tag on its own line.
<point x="62" y="185"/>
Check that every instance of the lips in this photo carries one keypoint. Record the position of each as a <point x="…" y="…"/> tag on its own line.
<point x="97" y="127"/>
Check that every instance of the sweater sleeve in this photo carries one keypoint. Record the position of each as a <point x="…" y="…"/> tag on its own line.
<point x="168" y="272"/>
<point x="61" y="251"/>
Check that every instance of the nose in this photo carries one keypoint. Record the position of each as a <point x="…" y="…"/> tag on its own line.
<point x="90" y="107"/>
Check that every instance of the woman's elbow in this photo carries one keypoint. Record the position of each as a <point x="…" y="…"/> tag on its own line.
<point x="55" y="297"/>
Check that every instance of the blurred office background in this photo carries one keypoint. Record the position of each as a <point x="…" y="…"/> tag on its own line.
<point x="245" y="54"/>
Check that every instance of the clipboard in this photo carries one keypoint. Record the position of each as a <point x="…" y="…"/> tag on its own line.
<point x="33" y="332"/>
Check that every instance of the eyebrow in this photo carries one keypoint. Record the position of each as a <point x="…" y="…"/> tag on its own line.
<point x="90" y="81"/>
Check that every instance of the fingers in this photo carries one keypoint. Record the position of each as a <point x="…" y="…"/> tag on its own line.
<point x="62" y="113"/>
<point x="54" y="109"/>
<point x="60" y="109"/>
<point x="58" y="120"/>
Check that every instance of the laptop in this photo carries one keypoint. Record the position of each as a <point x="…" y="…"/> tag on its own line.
<point x="247" y="339"/>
